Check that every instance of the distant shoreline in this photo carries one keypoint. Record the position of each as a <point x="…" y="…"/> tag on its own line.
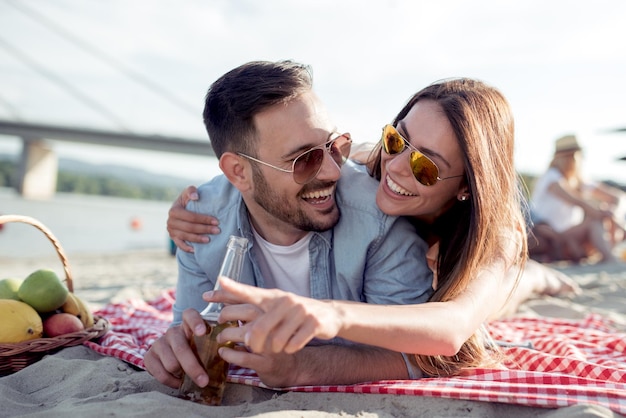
<point x="83" y="224"/>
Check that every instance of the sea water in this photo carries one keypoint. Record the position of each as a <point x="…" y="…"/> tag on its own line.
<point x="82" y="224"/>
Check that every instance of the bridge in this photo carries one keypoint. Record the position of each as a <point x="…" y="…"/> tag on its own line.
<point x="37" y="172"/>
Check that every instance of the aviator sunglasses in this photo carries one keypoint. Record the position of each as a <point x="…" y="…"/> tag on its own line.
<point x="306" y="165"/>
<point x="424" y="169"/>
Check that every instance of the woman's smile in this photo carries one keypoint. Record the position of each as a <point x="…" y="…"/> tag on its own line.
<point x="396" y="188"/>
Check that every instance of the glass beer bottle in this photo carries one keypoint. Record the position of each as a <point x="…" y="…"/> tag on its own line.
<point x="205" y="347"/>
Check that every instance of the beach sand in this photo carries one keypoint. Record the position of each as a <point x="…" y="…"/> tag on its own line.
<point x="79" y="382"/>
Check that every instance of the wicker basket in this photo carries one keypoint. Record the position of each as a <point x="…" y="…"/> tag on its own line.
<point x="16" y="356"/>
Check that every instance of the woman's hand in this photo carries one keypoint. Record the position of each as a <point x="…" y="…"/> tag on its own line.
<point x="183" y="225"/>
<point x="275" y="321"/>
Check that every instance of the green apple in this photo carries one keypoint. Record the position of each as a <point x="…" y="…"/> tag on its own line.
<point x="9" y="288"/>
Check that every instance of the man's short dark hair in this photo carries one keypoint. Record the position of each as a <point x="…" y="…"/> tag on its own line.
<point x="234" y="99"/>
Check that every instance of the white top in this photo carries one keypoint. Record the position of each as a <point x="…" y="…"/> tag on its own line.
<point x="548" y="208"/>
<point x="286" y="267"/>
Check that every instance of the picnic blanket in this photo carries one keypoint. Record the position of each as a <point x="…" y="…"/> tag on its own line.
<point x="570" y="362"/>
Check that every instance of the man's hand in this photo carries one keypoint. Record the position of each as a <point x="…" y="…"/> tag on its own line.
<point x="274" y="370"/>
<point x="183" y="225"/>
<point x="171" y="356"/>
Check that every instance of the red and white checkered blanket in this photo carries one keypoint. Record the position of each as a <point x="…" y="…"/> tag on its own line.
<point x="571" y="362"/>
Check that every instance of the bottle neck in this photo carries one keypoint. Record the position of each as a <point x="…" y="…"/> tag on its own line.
<point x="213" y="309"/>
<point x="210" y="316"/>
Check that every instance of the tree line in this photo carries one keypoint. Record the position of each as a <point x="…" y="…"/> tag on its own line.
<point x="111" y="186"/>
<point x="70" y="182"/>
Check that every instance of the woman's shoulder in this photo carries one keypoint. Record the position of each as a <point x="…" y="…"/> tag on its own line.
<point x="551" y="175"/>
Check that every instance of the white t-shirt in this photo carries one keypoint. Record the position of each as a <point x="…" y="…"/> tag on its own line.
<point x="548" y="208"/>
<point x="286" y="267"/>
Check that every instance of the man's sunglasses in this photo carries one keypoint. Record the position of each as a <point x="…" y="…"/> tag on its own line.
<point x="306" y="165"/>
<point x="424" y="169"/>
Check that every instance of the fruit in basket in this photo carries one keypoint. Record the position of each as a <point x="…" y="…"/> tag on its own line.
<point x="77" y="307"/>
<point x="43" y="290"/>
<point x="18" y="322"/>
<point x="71" y="305"/>
<point x="85" y="314"/>
<point x="60" y="324"/>
<point x="9" y="288"/>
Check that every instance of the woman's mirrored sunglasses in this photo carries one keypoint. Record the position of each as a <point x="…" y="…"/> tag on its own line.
<point x="424" y="169"/>
<point x="306" y="165"/>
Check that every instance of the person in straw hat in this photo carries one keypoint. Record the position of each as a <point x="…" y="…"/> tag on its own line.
<point x="580" y="216"/>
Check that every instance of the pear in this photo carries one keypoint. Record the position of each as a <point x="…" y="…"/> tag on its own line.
<point x="43" y="290"/>
<point x="71" y="305"/>
<point x="84" y="314"/>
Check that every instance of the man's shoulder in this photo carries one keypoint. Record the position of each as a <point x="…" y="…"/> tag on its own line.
<point x="356" y="190"/>
<point x="219" y="198"/>
<point x="215" y="196"/>
<point x="356" y="172"/>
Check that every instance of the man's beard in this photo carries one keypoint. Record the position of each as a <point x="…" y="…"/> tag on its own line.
<point x="284" y="209"/>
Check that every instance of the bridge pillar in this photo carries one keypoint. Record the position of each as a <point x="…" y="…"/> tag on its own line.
<point x="37" y="176"/>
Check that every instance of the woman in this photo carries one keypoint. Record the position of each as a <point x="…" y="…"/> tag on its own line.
<point x="447" y="163"/>
<point x="583" y="215"/>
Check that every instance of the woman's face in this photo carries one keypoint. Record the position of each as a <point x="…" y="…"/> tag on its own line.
<point x="568" y="162"/>
<point x="399" y="193"/>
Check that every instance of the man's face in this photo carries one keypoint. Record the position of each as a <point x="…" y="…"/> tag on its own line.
<point x="283" y="210"/>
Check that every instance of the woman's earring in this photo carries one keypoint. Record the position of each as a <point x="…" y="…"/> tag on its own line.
<point x="462" y="197"/>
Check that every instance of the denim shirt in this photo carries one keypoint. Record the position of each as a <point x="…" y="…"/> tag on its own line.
<point x="368" y="256"/>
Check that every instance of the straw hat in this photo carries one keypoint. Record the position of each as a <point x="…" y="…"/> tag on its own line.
<point x="568" y="143"/>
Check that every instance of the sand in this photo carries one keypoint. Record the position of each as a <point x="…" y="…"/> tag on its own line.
<point x="79" y="382"/>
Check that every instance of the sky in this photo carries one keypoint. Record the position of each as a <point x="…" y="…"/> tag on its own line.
<point x="144" y="66"/>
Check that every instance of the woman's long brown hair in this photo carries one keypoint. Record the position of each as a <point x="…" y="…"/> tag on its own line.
<point x="472" y="235"/>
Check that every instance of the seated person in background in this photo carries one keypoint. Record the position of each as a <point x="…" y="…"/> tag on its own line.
<point x="582" y="214"/>
<point x="544" y="243"/>
<point x="312" y="223"/>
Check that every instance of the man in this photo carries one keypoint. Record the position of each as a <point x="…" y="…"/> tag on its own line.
<point x="314" y="228"/>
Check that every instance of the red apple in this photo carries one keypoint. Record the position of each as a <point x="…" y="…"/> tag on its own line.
<point x="61" y="323"/>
